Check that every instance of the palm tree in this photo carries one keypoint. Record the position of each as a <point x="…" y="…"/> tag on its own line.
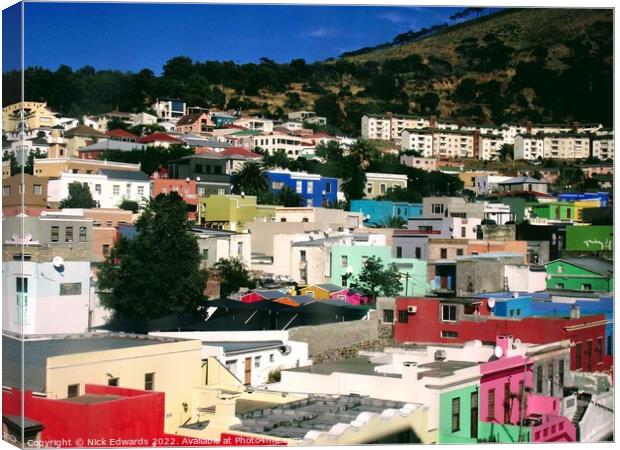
<point x="364" y="151"/>
<point x="392" y="222"/>
<point x="250" y="180"/>
<point x="289" y="198"/>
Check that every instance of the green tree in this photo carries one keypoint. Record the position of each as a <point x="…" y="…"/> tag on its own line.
<point x="506" y="151"/>
<point x="571" y="178"/>
<point x="289" y="198"/>
<point x="353" y="179"/>
<point x="401" y="194"/>
<point x="79" y="197"/>
<point x="364" y="151"/>
<point x="393" y="222"/>
<point x="157" y="272"/>
<point x="376" y="280"/>
<point x="10" y="156"/>
<point x="233" y="276"/>
<point x="276" y="159"/>
<point x="250" y="180"/>
<point x="129" y="205"/>
<point x="117" y="124"/>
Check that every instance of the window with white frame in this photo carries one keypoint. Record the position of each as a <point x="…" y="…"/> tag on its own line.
<point x="448" y="313"/>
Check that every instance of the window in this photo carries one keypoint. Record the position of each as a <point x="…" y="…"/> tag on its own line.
<point x="73" y="390"/>
<point x="507" y="402"/>
<point x="443" y="253"/>
<point x="463" y="232"/>
<point x="589" y="355"/>
<point x="69" y="234"/>
<point x="449" y="334"/>
<point x="198" y="168"/>
<point x="369" y="188"/>
<point x="459" y="252"/>
<point x="256" y="362"/>
<point x="6" y="191"/>
<point x="70" y="288"/>
<point x="105" y="249"/>
<point x="98" y="188"/>
<point x="149" y="381"/>
<point x="298" y="187"/>
<point x="141" y="191"/>
<point x="55" y="234"/>
<point x="272" y="358"/>
<point x="205" y="253"/>
<point x="302" y="255"/>
<point x="448" y="313"/>
<point x="388" y="315"/>
<point x="437" y="208"/>
<point x="456" y="414"/>
<point x="550" y="375"/>
<point x="560" y="269"/>
<point x="113" y="381"/>
<point x="539" y="379"/>
<point x="116" y="189"/>
<point x="128" y="189"/>
<point x="399" y="252"/>
<point x="328" y="187"/>
<point x="586" y="287"/>
<point x="37" y="190"/>
<point x="578" y="356"/>
<point x="403" y="316"/>
<point x="108" y="223"/>
<point x="239" y="248"/>
<point x="277" y="185"/>
<point x="382" y="188"/>
<point x="310" y="187"/>
<point x="559" y="285"/>
<point x="344" y="261"/>
<point x="491" y="405"/>
<point x="473" y="431"/>
<point x="561" y="375"/>
<point x="418" y="253"/>
<point x="599" y="349"/>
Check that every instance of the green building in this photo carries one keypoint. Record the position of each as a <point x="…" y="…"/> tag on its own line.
<point x="347" y="262"/>
<point x="580" y="274"/>
<point x="559" y="211"/>
<point x="458" y="415"/>
<point x="593" y="238"/>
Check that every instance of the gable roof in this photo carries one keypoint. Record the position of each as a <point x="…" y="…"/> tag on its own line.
<point x="327" y="287"/>
<point x="119" y="132"/>
<point x="523" y="179"/>
<point x="190" y="119"/>
<point x="158" y="137"/>
<point x="83" y="130"/>
<point x="600" y="266"/>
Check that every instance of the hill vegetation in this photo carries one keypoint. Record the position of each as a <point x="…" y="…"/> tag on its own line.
<point x="544" y="65"/>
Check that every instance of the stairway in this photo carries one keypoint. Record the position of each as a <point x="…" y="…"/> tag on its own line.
<point x="581" y="410"/>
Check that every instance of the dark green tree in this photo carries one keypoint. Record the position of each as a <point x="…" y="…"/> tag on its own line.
<point x="377" y="280"/>
<point x="156" y="273"/>
<point x="79" y="197"/>
<point x="129" y="205"/>
<point x="117" y="124"/>
<point x="289" y="198"/>
<point x="250" y="180"/>
<point x="364" y="151"/>
<point x="506" y="152"/>
<point x="233" y="275"/>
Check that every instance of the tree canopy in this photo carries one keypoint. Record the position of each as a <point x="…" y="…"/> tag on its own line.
<point x="233" y="276"/>
<point x="157" y="272"/>
<point x="79" y="197"/>
<point x="376" y="279"/>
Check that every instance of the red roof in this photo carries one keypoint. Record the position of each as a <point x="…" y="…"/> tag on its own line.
<point x="322" y="135"/>
<point x="158" y="137"/>
<point x="120" y="133"/>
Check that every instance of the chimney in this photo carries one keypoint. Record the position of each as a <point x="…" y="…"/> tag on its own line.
<point x="504" y="342"/>
<point x="224" y="413"/>
<point x="432" y="122"/>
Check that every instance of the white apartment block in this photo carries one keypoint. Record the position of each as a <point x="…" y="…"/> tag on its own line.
<point x="489" y="145"/>
<point x="566" y="146"/>
<point x="447" y="126"/>
<point x="482" y="129"/>
<point x="388" y="127"/>
<point x="603" y="146"/>
<point x="108" y="187"/>
<point x="293" y="146"/>
<point x="255" y="123"/>
<point x="550" y="128"/>
<point x="509" y="132"/>
<point x="527" y="146"/>
<point x="449" y="144"/>
<point x="169" y="110"/>
<point x="420" y="141"/>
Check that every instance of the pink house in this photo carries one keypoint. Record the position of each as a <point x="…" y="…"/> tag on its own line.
<point x="260" y="295"/>
<point x="506" y="398"/>
<point x="349" y="296"/>
<point x="194" y="123"/>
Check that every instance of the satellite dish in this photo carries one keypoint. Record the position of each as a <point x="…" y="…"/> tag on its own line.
<point x="491" y="303"/>
<point x="498" y="351"/>
<point x="58" y="262"/>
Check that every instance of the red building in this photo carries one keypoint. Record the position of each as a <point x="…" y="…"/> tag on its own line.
<point x="187" y="189"/>
<point x="458" y="320"/>
<point x="105" y="416"/>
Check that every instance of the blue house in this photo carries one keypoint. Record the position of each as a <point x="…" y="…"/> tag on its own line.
<point x="377" y="211"/>
<point x="541" y="304"/>
<point x="220" y="119"/>
<point x="602" y="197"/>
<point x="315" y="190"/>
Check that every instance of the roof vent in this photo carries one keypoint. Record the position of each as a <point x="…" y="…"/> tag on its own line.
<point x="440" y="355"/>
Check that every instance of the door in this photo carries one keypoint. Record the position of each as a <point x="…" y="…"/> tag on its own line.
<point x="248" y="371"/>
<point x="589" y="356"/>
<point x="473" y="419"/>
<point x="443" y="282"/>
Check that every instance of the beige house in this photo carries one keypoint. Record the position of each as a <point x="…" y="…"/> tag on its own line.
<point x="390" y="127"/>
<point x="36" y="115"/>
<point x="427" y="164"/>
<point x="566" y="146"/>
<point x="529" y="146"/>
<point x="377" y="184"/>
<point x="6" y="169"/>
<point x="603" y="145"/>
<point x="79" y="137"/>
<point x="54" y="168"/>
<point x="453" y="144"/>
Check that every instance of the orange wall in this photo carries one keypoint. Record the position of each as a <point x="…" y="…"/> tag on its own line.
<point x="519" y="247"/>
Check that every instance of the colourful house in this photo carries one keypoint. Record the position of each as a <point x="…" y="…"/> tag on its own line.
<point x="350" y="296"/>
<point x="458" y="415"/>
<point x="592" y="238"/>
<point x="315" y="190"/>
<point x="580" y="274"/>
<point x="261" y="295"/>
<point x="376" y="212"/>
<point x="227" y="212"/>
<point x="322" y="291"/>
<point x="295" y="300"/>
<point x="554" y="211"/>
<point x="347" y="262"/>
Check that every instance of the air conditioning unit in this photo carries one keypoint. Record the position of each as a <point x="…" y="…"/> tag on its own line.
<point x="412" y="309"/>
<point x="440" y="355"/>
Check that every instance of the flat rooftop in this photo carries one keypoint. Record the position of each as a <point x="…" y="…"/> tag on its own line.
<point x="359" y="365"/>
<point x="90" y="399"/>
<point x="440" y="369"/>
<point x="231" y="348"/>
<point x="36" y="350"/>
<point x="293" y="420"/>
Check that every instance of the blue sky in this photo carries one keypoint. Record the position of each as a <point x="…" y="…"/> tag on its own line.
<point x="136" y="36"/>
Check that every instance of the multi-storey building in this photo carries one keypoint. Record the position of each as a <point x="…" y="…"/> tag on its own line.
<point x="489" y="146"/>
<point x="169" y="110"/>
<point x="603" y="145"/>
<point x="314" y="190"/>
<point x="390" y="127"/>
<point x="529" y="146"/>
<point x="566" y="146"/>
<point x="36" y="115"/>
<point x="292" y="145"/>
<point x="454" y="144"/>
<point x="418" y="140"/>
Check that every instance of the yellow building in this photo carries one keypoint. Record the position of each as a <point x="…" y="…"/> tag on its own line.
<point x="377" y="184"/>
<point x="59" y="368"/>
<point x="6" y="169"/>
<point x="228" y="212"/>
<point x="468" y="177"/>
<point x="55" y="167"/>
<point x="79" y="137"/>
<point x="36" y="115"/>
<point x="321" y="291"/>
